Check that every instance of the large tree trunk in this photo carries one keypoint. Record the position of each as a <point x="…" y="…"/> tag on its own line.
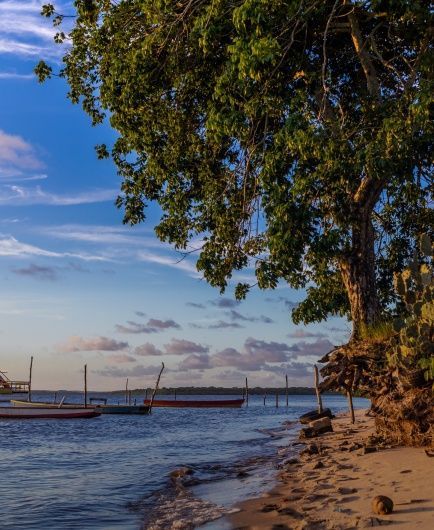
<point x="358" y="275"/>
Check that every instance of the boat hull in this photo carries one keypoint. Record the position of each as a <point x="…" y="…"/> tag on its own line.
<point x="102" y="409"/>
<point x="196" y="404"/>
<point x="21" y="413"/>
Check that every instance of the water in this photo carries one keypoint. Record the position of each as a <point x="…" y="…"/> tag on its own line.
<point x="112" y="472"/>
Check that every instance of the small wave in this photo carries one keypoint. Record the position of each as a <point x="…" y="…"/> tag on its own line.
<point x="180" y="510"/>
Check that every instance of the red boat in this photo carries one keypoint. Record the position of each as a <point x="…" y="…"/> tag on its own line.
<point x="196" y="403"/>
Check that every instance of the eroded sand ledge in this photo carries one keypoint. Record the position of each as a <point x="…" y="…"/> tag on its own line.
<point x="333" y="490"/>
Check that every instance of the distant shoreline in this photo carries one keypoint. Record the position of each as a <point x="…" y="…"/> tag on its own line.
<point x="200" y="391"/>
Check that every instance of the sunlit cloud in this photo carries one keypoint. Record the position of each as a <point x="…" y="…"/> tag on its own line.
<point x="183" y="347"/>
<point x="78" y="344"/>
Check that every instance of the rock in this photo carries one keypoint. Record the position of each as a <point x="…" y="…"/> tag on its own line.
<point x="320" y="424"/>
<point x="346" y="491"/>
<point x="270" y="508"/>
<point x="311" y="449"/>
<point x="369" y="522"/>
<point x="291" y="461"/>
<point x="315" y="415"/>
<point x="316" y="428"/>
<point x="318" y="465"/>
<point x="382" y="505"/>
<point x="290" y="512"/>
<point x="369" y="449"/>
<point x="181" y="472"/>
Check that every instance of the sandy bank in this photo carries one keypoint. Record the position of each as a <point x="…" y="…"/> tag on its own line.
<point x="334" y="488"/>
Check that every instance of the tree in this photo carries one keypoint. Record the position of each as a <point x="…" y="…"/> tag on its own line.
<point x="295" y="136"/>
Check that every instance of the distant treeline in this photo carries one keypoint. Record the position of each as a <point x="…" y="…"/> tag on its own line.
<point x="200" y="391"/>
<point x="223" y="391"/>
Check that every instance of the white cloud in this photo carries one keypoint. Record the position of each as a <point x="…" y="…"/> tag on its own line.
<point x="16" y="156"/>
<point x="20" y="195"/>
<point x="16" y="76"/>
<point x="9" y="246"/>
<point x="183" y="265"/>
<point x="25" y="33"/>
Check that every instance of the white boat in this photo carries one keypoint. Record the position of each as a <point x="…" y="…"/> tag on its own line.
<point x="47" y="413"/>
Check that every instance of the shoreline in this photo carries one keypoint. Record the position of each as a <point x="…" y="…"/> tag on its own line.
<point x="332" y="488"/>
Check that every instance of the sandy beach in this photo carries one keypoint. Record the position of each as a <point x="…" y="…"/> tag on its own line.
<point x="331" y="484"/>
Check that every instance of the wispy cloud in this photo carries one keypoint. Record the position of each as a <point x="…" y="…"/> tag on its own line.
<point x="77" y="344"/>
<point x="16" y="156"/>
<point x="195" y="305"/>
<point x="38" y="272"/>
<point x="136" y="371"/>
<point x="148" y="349"/>
<point x="154" y="325"/>
<point x="304" y="334"/>
<point x="236" y="315"/>
<point x="9" y="246"/>
<point x="121" y="358"/>
<point x="16" y="76"/>
<point x="225" y="302"/>
<point x="184" y="347"/>
<point x="20" y="195"/>
<point x="180" y="264"/>
<point x="221" y="324"/>
<point x="24" y="33"/>
<point x="289" y="304"/>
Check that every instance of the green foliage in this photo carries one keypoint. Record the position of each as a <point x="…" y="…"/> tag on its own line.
<point x="380" y="331"/>
<point x="259" y="126"/>
<point x="413" y="345"/>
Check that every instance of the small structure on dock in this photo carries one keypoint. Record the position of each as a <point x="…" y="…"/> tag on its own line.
<point x="12" y="387"/>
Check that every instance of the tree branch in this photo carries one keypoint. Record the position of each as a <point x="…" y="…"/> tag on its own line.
<point x="364" y="57"/>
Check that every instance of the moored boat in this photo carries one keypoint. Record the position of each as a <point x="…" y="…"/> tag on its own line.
<point x="47" y="413"/>
<point x="196" y="403"/>
<point x="102" y="409"/>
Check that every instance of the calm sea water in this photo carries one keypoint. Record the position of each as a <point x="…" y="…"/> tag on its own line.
<point x="113" y="472"/>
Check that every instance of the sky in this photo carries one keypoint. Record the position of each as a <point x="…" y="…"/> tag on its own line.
<point x="78" y="287"/>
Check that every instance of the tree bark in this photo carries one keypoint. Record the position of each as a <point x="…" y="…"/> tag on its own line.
<point x="358" y="275"/>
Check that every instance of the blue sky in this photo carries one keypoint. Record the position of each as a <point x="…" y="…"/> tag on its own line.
<point x="79" y="287"/>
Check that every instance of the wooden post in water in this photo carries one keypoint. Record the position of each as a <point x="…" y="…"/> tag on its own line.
<point x="247" y="393"/>
<point x="318" y="394"/>
<point x="277" y="399"/>
<point x="85" y="386"/>
<point x="29" y="394"/>
<point x="286" y="389"/>
<point x="126" y="392"/>
<point x="156" y="388"/>
<point x="265" y="397"/>
<point x="146" y="393"/>
<point x="350" y="404"/>
<point x="55" y="397"/>
<point x="175" y="394"/>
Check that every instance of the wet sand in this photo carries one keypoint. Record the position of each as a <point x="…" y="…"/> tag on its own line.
<point x="333" y="488"/>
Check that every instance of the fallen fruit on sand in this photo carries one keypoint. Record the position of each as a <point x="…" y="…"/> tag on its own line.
<point x="382" y="505"/>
